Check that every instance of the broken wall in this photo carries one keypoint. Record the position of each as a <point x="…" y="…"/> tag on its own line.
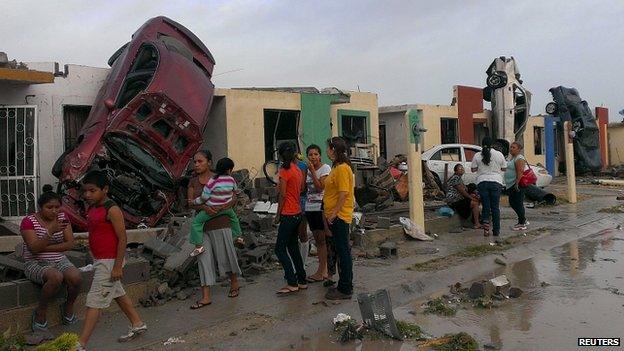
<point x="80" y="88"/>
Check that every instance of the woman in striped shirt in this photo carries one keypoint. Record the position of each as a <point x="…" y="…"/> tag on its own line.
<point x="47" y="234"/>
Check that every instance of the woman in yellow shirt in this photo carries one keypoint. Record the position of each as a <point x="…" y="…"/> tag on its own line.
<point x="338" y="203"/>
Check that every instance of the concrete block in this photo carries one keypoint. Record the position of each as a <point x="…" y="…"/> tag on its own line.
<point x="180" y="261"/>
<point x="481" y="289"/>
<point x="137" y="269"/>
<point x="388" y="249"/>
<point x="159" y="248"/>
<point x="383" y="222"/>
<point x="27" y="292"/>
<point x="501" y="285"/>
<point x="8" y="295"/>
<point x="258" y="255"/>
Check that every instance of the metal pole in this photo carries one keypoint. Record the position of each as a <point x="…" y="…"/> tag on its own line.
<point x="569" y="157"/>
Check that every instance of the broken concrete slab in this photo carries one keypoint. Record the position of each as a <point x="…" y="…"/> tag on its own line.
<point x="9" y="242"/>
<point x="273" y="208"/>
<point x="481" y="289"/>
<point x="501" y="284"/>
<point x="262" y="224"/>
<point x="383" y="222"/>
<point x="158" y="248"/>
<point x="180" y="261"/>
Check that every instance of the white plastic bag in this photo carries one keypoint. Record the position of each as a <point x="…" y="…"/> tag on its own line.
<point x="413" y="230"/>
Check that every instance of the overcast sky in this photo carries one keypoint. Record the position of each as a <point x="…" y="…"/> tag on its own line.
<point x="405" y="51"/>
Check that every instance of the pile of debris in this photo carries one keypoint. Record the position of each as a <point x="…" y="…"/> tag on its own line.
<point x="392" y="185"/>
<point x="13" y="64"/>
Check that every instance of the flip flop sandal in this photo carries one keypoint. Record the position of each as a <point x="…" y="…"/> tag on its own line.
<point x="67" y="320"/>
<point x="199" y="305"/>
<point x="286" y="291"/>
<point x="233" y="293"/>
<point x="311" y="279"/>
<point x="34" y="325"/>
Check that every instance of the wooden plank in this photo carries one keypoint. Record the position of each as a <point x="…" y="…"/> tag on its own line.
<point x="25" y="76"/>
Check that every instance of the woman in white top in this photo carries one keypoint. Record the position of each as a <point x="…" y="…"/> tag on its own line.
<point x="489" y="164"/>
<point x="315" y="182"/>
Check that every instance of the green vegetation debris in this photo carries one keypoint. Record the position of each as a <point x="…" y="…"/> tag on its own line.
<point x="458" y="342"/>
<point x="409" y="330"/>
<point x="64" y="342"/>
<point x="11" y="342"/>
<point x="439" y="307"/>
<point x="348" y="330"/>
<point x="614" y="209"/>
<point x="483" y="302"/>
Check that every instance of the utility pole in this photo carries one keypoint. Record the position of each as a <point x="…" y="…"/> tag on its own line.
<point x="569" y="157"/>
<point x="413" y="120"/>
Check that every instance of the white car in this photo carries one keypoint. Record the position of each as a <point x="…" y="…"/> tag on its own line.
<point x="451" y="154"/>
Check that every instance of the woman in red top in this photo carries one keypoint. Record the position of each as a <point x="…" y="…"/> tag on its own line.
<point x="289" y="217"/>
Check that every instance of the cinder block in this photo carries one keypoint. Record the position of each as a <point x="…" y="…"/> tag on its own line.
<point x="180" y="261"/>
<point x="158" y="247"/>
<point x="136" y="270"/>
<point x="258" y="255"/>
<point x="8" y="295"/>
<point x="27" y="292"/>
<point x="388" y="249"/>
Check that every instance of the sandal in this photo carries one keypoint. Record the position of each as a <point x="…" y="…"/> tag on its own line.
<point x="197" y="251"/>
<point x="199" y="305"/>
<point x="67" y="320"/>
<point x="233" y="292"/>
<point x="287" y="291"/>
<point x="36" y="326"/>
<point x="312" y="279"/>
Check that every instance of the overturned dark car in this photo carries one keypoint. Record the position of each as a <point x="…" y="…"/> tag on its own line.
<point x="569" y="106"/>
<point x="146" y="123"/>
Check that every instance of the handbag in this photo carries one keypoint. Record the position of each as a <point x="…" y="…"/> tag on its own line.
<point x="528" y="177"/>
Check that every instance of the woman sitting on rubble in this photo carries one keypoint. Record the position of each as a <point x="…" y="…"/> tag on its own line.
<point x="460" y="199"/>
<point x="289" y="218"/>
<point x="218" y="243"/>
<point x="47" y="234"/>
<point x="315" y="183"/>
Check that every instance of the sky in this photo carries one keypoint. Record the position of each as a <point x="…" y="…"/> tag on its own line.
<point x="405" y="51"/>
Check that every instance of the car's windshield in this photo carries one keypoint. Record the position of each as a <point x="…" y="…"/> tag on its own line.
<point x="129" y="151"/>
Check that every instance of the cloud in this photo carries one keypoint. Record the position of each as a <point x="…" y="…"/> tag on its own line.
<point x="405" y="51"/>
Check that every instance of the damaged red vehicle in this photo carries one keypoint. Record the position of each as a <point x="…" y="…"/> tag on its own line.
<point x="146" y="123"/>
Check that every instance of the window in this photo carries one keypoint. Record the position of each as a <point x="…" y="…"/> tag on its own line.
<point x="448" y="127"/>
<point x="354" y="129"/>
<point x="140" y="75"/>
<point x="279" y="126"/>
<point x="469" y="154"/>
<point x="447" y="154"/>
<point x="538" y="140"/>
<point x="74" y="118"/>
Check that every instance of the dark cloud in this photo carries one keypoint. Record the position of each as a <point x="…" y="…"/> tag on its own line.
<point x="406" y="51"/>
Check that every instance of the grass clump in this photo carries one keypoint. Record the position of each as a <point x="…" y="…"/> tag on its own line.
<point x="483" y="302"/>
<point x="427" y="265"/>
<point x="458" y="342"/>
<point x="614" y="209"/>
<point x="12" y="342"/>
<point x="481" y="250"/>
<point x="64" y="342"/>
<point x="439" y="307"/>
<point x="409" y="330"/>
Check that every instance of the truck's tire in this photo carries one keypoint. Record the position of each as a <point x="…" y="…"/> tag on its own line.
<point x="496" y="80"/>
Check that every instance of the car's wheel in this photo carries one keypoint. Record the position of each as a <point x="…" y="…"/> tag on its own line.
<point x="487" y="94"/>
<point x="551" y="108"/>
<point x="496" y="80"/>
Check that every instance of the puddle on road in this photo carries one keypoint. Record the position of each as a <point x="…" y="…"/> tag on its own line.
<point x="584" y="298"/>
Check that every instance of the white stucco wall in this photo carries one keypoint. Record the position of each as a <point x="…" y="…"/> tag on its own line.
<point x="80" y="87"/>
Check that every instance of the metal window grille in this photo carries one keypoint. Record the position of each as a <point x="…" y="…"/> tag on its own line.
<point x="18" y="160"/>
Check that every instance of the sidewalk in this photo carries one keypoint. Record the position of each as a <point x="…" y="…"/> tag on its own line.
<point x="260" y="320"/>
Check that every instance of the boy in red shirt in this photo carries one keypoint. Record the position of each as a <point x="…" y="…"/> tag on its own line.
<point x="107" y="242"/>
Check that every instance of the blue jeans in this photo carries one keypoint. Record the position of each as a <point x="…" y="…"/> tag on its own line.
<point x="490" y="193"/>
<point x="288" y="244"/>
<point x="340" y="240"/>
<point x="516" y="201"/>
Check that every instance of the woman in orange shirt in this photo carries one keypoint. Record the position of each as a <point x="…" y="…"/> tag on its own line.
<point x="289" y="217"/>
<point x="338" y="203"/>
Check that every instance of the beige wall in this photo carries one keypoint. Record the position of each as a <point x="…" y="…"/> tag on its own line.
<point x="245" y="122"/>
<point x="396" y="135"/>
<point x="616" y="144"/>
<point x="244" y="111"/>
<point x="361" y="102"/>
<point x="529" y="142"/>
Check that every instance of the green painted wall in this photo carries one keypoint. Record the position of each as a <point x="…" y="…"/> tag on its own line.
<point x="316" y="120"/>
